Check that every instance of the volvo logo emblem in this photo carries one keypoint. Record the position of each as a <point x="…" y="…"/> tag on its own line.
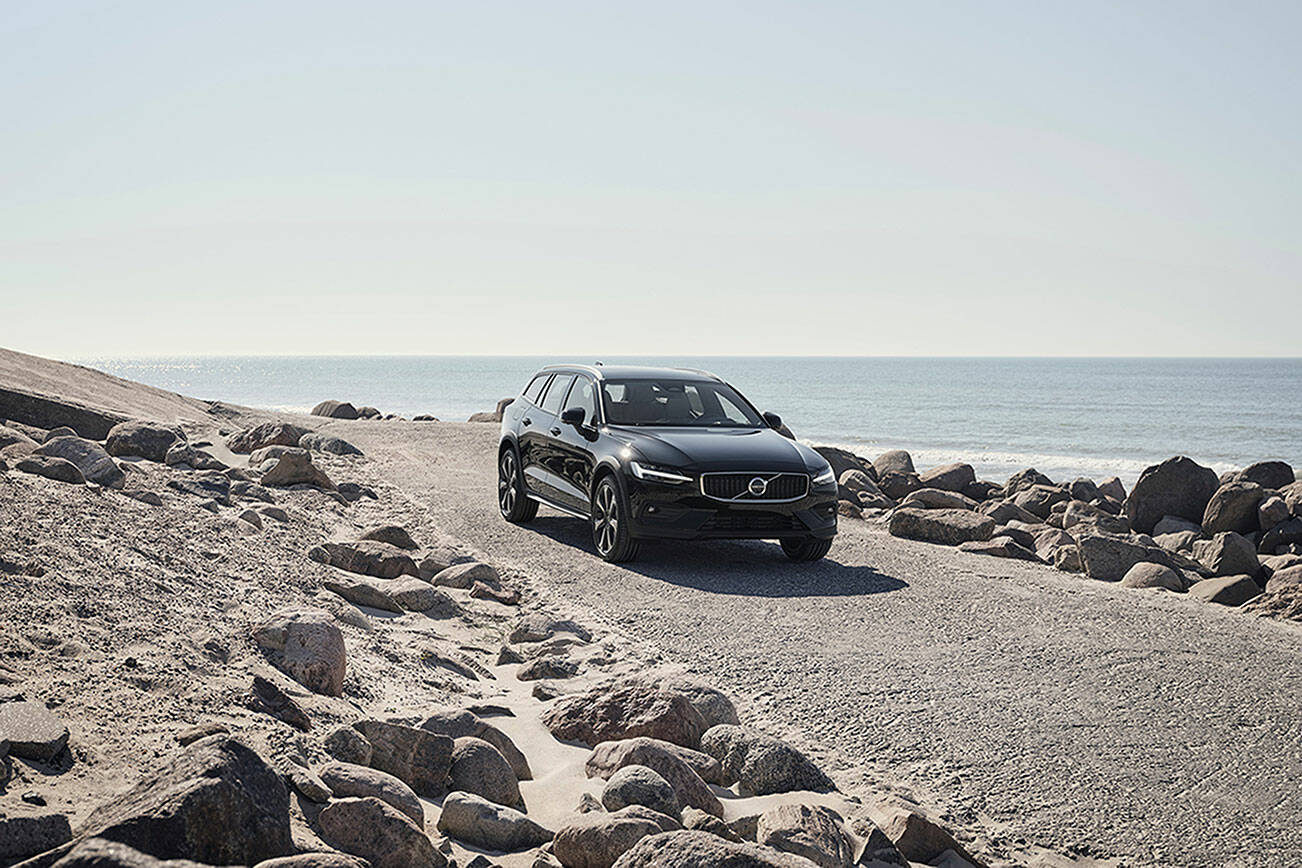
<point x="757" y="487"/>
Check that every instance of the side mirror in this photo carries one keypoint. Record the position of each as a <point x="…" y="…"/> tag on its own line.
<point x="573" y="416"/>
<point x="773" y="420"/>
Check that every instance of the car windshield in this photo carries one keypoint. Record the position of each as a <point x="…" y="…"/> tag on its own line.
<point x="698" y="403"/>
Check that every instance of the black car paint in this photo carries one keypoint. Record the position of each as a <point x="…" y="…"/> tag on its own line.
<point x="562" y="461"/>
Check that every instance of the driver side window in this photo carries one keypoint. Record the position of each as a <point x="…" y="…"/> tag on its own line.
<point x="584" y="395"/>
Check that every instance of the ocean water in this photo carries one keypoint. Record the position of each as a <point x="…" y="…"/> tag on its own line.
<point x="1065" y="417"/>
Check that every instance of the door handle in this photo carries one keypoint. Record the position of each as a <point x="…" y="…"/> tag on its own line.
<point x="526" y="421"/>
<point x="556" y="432"/>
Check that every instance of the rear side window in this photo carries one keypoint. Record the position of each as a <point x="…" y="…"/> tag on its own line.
<point x="551" y="402"/>
<point x="533" y="391"/>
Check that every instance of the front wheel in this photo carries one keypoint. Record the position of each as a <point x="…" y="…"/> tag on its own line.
<point x="806" y="548"/>
<point x="514" y="503"/>
<point x="610" y="532"/>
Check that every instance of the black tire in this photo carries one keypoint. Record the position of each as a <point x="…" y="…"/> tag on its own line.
<point x="806" y="548"/>
<point x="610" y="533"/>
<point x="512" y="501"/>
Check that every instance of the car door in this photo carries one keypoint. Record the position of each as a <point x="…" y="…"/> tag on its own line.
<point x="573" y="453"/>
<point x="530" y="437"/>
<point x="545" y="437"/>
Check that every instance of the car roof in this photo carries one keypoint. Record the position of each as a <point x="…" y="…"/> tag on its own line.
<point x="635" y="372"/>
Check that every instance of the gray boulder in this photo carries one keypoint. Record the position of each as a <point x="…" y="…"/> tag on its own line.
<point x="1227" y="554"/>
<point x="90" y="458"/>
<point x="478" y="768"/>
<point x="1268" y="474"/>
<point x="140" y="439"/>
<point x="639" y="785"/>
<point x="348" y="780"/>
<point x="685" y="770"/>
<point x="378" y="833"/>
<point x="1178" y="486"/>
<point x="32" y="731"/>
<point x="463" y="576"/>
<point x="182" y="454"/>
<point x="99" y="853"/>
<point x="28" y="835"/>
<point x="390" y="534"/>
<point x="1024" y="479"/>
<point x="597" y="840"/>
<point x="619" y="710"/>
<point x="1004" y="511"/>
<point x="366" y="557"/>
<point x="894" y="461"/>
<point x="348" y="746"/>
<point x="936" y="498"/>
<point x="295" y="467"/>
<point x="944" y="526"/>
<point x="205" y="486"/>
<point x="321" y="859"/>
<point x="419" y="758"/>
<point x="1286" y="533"/>
<point x="1039" y="500"/>
<point x="459" y="723"/>
<point x="897" y="485"/>
<point x="1112" y="487"/>
<point x="698" y="849"/>
<point x="306" y="645"/>
<point x="814" y="832"/>
<point x="314" y="442"/>
<point x="1083" y="489"/>
<point x="476" y="821"/>
<point x="715" y="707"/>
<point x="1175" y="524"/>
<point x="1272" y="511"/>
<point x="1146" y="575"/>
<point x="537" y="627"/>
<point x="335" y="410"/>
<point x="1226" y="590"/>
<point x="1000" y="547"/>
<point x="266" y="434"/>
<point x="58" y="469"/>
<point x="761" y="764"/>
<point x="949" y="477"/>
<point x="1108" y="558"/>
<point x="1233" y="507"/>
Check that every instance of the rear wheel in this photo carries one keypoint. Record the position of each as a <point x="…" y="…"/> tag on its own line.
<point x="610" y="533"/>
<point x="806" y="548"/>
<point x="514" y="503"/>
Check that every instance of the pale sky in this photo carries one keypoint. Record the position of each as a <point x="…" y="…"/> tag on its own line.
<point x="686" y="178"/>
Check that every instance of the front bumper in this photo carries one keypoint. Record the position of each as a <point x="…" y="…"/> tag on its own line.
<point x="662" y="511"/>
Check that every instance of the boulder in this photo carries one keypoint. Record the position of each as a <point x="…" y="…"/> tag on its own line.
<point x="814" y="832"/>
<point x="1039" y="500"/>
<point x="348" y="746"/>
<point x="58" y="469"/>
<point x="1268" y="474"/>
<point x="464" y="576"/>
<point x="1178" y="486"/>
<point x="438" y="558"/>
<point x="936" y="498"/>
<point x="1272" y="511"/>
<point x="893" y="461"/>
<point x="259" y="457"/>
<point x="459" y="723"/>
<point x="1287" y="577"/>
<point x="1083" y="489"/>
<point x="308" y="784"/>
<point x="618" y="710"/>
<point x="596" y="840"/>
<point x="367" y="557"/>
<point x="481" y="823"/>
<point x="537" y="627"/>
<point x="378" y="833"/>
<point x="314" y="442"/>
<point x="306" y="645"/>
<point x="253" y="491"/>
<point x="1227" y="554"/>
<point x="321" y="859"/>
<point x="1286" y="533"/>
<point x="1146" y="575"/>
<point x="1024" y="479"/>
<point x="897" y="485"/>
<point x="843" y="461"/>
<point x="368" y="413"/>
<point x="761" y="764"/>
<point x="295" y="467"/>
<point x="685" y="770"/>
<point x="1226" y="590"/>
<point x="419" y="758"/>
<point x="639" y="785"/>
<point x="480" y="591"/>
<point x="918" y="838"/>
<point x="547" y="667"/>
<point x="99" y="853"/>
<point x="390" y="534"/>
<point x="1004" y="511"/>
<point x="28" y="835"/>
<point x="268" y="698"/>
<point x="1108" y="558"/>
<point x="13" y="437"/>
<point x="189" y="807"/>
<point x="701" y="821"/>
<point x="1112" y="488"/>
<point x="1079" y="513"/>
<point x="349" y="780"/>
<point x="1175" y="524"/>
<point x="478" y="768"/>
<point x="205" y="486"/>
<point x="715" y="707"/>
<point x="335" y="410"/>
<point x="981" y="490"/>
<point x="32" y="731"/>
<point x="90" y="458"/>
<point x="1000" y="547"/>
<point x="1233" y="507"/>
<point x="697" y="849"/>
<point x="140" y="439"/>
<point x="413" y="595"/>
<point x="266" y="434"/>
<point x="945" y="526"/>
<point x="1019" y="535"/>
<point x="949" y="477"/>
<point x="1067" y="559"/>
<point x="363" y="592"/>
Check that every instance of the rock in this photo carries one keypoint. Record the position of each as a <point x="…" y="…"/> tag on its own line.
<point x="28" y="835"/>
<point x="855" y="481"/>
<point x="32" y="731"/>
<point x="597" y="840"/>
<point x="1022" y="537"/>
<point x="1233" y="507"/>
<point x="270" y="699"/>
<point x="378" y="833"/>
<point x="58" y="469"/>
<point x="252" y="518"/>
<point x="547" y="667"/>
<point x="639" y="785"/>
<point x="1227" y="554"/>
<point x="363" y="592"/>
<point x="478" y="768"/>
<point x="1000" y="547"/>
<point x="1108" y="558"/>
<point x="898" y="485"/>
<point x="843" y="461"/>
<point x="391" y="534"/>
<point x="612" y="711"/>
<point x="1178" y="486"/>
<point x="1067" y="559"/>
<point x="481" y="823"/>
<point x="761" y="764"/>
<point x="935" y="498"/>
<point x="315" y="860"/>
<point x="418" y="757"/>
<point x="1112" y="488"/>
<point x="368" y="413"/>
<point x="463" y="576"/>
<point x="1226" y="590"/>
<point x="1023" y="480"/>
<point x="1079" y="513"/>
<point x="413" y="595"/>
<point x="99" y="853"/>
<point x="1177" y="542"/>
<point x="191" y="734"/>
<point x="13" y="437"/>
<point x="1004" y="511"/>
<point x="1082" y="489"/>
<point x="459" y="723"/>
<point x="1268" y="474"/>
<point x="1174" y="524"/>
<point x="140" y="439"/>
<point x="1286" y="533"/>
<point x="949" y="477"/>
<point x="537" y="627"/>
<point x="275" y="513"/>
<point x="438" y="558"/>
<point x="259" y="457"/>
<point x="1271" y="511"/>
<point x="314" y="442"/>
<point x="916" y="837"/>
<point x="480" y="591"/>
<point x="696" y="849"/>
<point x="188" y="808"/>
<point x="701" y="821"/>
<point x="306" y="645"/>
<point x="348" y="746"/>
<point x="945" y="526"/>
<point x="1039" y="500"/>
<point x="682" y="768"/>
<point x="814" y="832"/>
<point x="981" y="490"/>
<point x="424" y="417"/>
<point x="367" y="557"/>
<point x="253" y="491"/>
<point x="1287" y="577"/>
<point x="295" y="467"/>
<point x="205" y="486"/>
<point x="90" y="458"/>
<point x="894" y="461"/>
<point x="306" y="783"/>
<point x="715" y="707"/>
<point x="350" y="780"/>
<point x="1146" y="575"/>
<point x="335" y="410"/>
<point x="266" y="434"/>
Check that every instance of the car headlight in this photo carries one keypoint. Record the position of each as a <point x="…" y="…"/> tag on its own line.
<point x="652" y="473"/>
<point x="827" y="477"/>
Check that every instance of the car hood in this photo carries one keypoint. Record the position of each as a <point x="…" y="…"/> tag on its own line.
<point x="716" y="449"/>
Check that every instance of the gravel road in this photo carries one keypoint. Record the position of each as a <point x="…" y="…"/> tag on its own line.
<point x="1038" y="707"/>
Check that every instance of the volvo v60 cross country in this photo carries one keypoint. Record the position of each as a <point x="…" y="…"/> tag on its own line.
<point x="657" y="453"/>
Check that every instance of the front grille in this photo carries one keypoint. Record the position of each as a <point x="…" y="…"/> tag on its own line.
<point x="749" y="521"/>
<point x="737" y="486"/>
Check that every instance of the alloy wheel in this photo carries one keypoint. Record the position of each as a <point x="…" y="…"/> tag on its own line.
<point x="507" y="487"/>
<point x="605" y="519"/>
